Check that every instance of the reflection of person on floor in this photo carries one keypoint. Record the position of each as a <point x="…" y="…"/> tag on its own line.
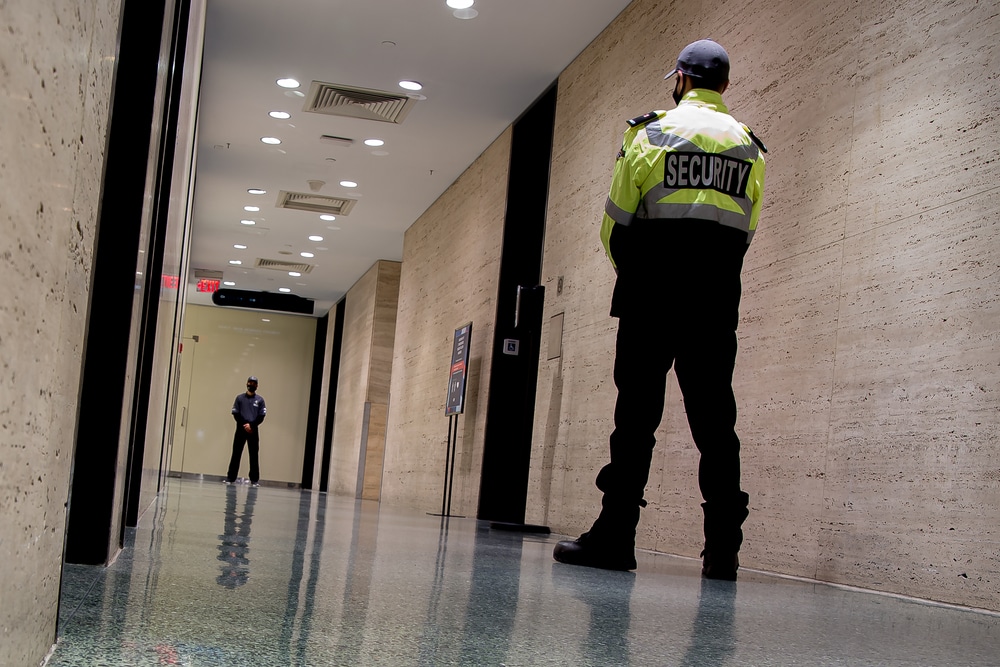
<point x="608" y="599"/>
<point x="235" y="540"/>
<point x="248" y="411"/>
<point x="712" y="641"/>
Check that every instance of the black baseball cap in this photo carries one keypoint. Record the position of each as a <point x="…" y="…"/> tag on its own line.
<point x="252" y="379"/>
<point x="705" y="59"/>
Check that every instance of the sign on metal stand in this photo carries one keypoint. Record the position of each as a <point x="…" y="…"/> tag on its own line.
<point x="454" y="406"/>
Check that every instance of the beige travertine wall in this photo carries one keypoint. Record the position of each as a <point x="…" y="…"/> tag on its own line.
<point x="867" y="378"/>
<point x="363" y="382"/>
<point x="56" y="68"/>
<point x="451" y="263"/>
<point x="234" y="344"/>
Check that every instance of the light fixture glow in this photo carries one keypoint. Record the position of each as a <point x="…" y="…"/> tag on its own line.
<point x="240" y="246"/>
<point x="286" y="290"/>
<point x="229" y="283"/>
<point x="328" y="218"/>
<point x="316" y="238"/>
<point x="264" y="319"/>
<point x="294" y="274"/>
<point x="252" y="209"/>
<point x="280" y="115"/>
<point x="349" y="184"/>
<point x="257" y="191"/>
<point x="307" y="254"/>
<point x="460" y="4"/>
<point x="465" y="14"/>
<point x="235" y="262"/>
<point x="410" y="85"/>
<point x="271" y="141"/>
<point x="248" y="222"/>
<point x="287" y="83"/>
<point x="374" y="142"/>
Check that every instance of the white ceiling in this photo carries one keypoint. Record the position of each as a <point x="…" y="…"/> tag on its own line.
<point x="478" y="76"/>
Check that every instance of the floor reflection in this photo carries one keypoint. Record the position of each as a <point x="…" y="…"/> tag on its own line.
<point x="234" y="548"/>
<point x="334" y="581"/>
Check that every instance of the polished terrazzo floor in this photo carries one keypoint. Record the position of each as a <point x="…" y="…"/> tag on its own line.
<point x="218" y="575"/>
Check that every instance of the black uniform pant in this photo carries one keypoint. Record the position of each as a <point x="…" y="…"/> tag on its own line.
<point x="702" y="352"/>
<point x="252" y="440"/>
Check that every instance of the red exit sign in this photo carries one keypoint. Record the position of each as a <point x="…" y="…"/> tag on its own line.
<point x="206" y="285"/>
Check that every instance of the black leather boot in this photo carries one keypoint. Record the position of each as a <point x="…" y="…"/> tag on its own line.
<point x="591" y="551"/>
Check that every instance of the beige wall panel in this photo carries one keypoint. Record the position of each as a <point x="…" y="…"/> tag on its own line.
<point x="873" y="270"/>
<point x="234" y="344"/>
<point x="352" y="384"/>
<point x="374" y="452"/>
<point x="56" y="67"/>
<point x="365" y="372"/>
<point x="926" y="117"/>
<point x="383" y="331"/>
<point x="912" y="480"/>
<point x="449" y="276"/>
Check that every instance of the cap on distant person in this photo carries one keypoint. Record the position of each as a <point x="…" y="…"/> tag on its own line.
<point x="705" y="59"/>
<point x="252" y="379"/>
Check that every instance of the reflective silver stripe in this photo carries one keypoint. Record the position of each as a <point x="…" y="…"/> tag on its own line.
<point x="700" y="212"/>
<point x="660" y="192"/>
<point x="619" y="215"/>
<point x="668" y="139"/>
<point x="678" y="143"/>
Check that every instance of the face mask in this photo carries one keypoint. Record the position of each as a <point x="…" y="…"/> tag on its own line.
<point x="677" y="92"/>
<point x="251" y="388"/>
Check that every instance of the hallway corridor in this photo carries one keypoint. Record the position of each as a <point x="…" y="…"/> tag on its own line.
<point x="221" y="575"/>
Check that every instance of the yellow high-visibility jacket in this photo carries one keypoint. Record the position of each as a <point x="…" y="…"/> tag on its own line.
<point x="690" y="164"/>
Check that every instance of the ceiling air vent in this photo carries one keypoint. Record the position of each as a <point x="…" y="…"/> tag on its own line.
<point x="334" y="100"/>
<point x="279" y="265"/>
<point x="303" y="201"/>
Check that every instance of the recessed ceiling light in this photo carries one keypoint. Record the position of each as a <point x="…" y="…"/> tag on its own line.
<point x="228" y="283"/>
<point x="240" y="246"/>
<point x="460" y="4"/>
<point x="349" y="184"/>
<point x="328" y="218"/>
<point x="252" y="209"/>
<point x="307" y="254"/>
<point x="316" y="238"/>
<point x="248" y="222"/>
<point x="410" y="85"/>
<point x="286" y="290"/>
<point x="235" y="262"/>
<point x="257" y="191"/>
<point x="272" y="141"/>
<point x="294" y="274"/>
<point x="374" y="142"/>
<point x="280" y="115"/>
<point x="287" y="83"/>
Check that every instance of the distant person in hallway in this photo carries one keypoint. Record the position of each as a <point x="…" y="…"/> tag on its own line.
<point x="248" y="411"/>
<point x="684" y="201"/>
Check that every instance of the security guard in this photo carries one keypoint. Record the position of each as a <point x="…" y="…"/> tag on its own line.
<point x="684" y="202"/>
<point x="249" y="412"/>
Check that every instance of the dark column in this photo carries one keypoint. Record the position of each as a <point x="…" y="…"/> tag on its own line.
<point x="134" y="134"/>
<point x="331" y="402"/>
<point x="315" y="389"/>
<point x="513" y="378"/>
